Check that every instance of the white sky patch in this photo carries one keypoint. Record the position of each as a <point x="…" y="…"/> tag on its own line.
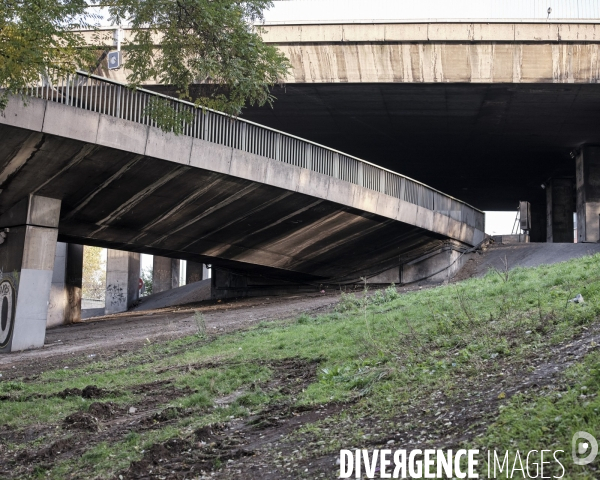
<point x="500" y="223"/>
<point x="403" y="10"/>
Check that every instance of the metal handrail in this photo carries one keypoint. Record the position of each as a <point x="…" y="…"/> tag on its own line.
<point x="109" y="97"/>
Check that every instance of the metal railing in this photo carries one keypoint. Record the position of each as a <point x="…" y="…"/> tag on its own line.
<point x="101" y="95"/>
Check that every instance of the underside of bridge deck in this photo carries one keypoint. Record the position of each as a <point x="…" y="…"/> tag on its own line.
<point x="491" y="145"/>
<point x="132" y="202"/>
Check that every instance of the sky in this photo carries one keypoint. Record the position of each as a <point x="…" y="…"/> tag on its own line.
<point x="374" y="10"/>
<point x="500" y="223"/>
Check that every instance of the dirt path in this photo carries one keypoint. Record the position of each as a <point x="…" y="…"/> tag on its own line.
<point x="129" y="331"/>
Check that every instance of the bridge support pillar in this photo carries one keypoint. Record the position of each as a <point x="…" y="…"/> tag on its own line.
<point x="26" y="264"/>
<point x="560" y="205"/>
<point x="588" y="194"/>
<point x="538" y="232"/>
<point x="122" y="280"/>
<point x="195" y="272"/>
<point x="64" y="306"/>
<point x="165" y="274"/>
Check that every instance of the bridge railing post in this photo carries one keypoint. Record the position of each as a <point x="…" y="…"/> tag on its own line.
<point x="361" y="175"/>
<point x="243" y="135"/>
<point x="278" y="146"/>
<point x="336" y="165"/>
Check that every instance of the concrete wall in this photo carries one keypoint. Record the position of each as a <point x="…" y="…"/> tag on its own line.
<point x="437" y="266"/>
<point x="195" y="272"/>
<point x="58" y="291"/>
<point x="228" y="284"/>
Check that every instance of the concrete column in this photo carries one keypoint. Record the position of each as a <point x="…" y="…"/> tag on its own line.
<point x="165" y="274"/>
<point x="560" y="205"/>
<point x="122" y="280"/>
<point x="538" y="232"/>
<point x="65" y="294"/>
<point x="195" y="272"/>
<point x="588" y="194"/>
<point x="26" y="265"/>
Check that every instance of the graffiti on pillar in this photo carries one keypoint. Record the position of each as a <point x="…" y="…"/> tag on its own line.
<point x="116" y="295"/>
<point x="7" y="310"/>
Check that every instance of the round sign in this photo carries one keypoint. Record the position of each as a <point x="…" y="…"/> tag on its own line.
<point x="140" y="284"/>
<point x="7" y="303"/>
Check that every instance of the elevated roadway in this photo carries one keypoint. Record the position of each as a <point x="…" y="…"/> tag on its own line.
<point x="82" y="164"/>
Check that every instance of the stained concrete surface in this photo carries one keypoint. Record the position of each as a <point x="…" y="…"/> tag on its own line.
<point x="194" y="292"/>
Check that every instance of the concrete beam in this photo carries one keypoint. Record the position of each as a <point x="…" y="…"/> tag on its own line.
<point x="122" y="280"/>
<point x="165" y="274"/>
<point x="65" y="295"/>
<point x="588" y="194"/>
<point x="415" y="52"/>
<point x="560" y="206"/>
<point x="432" y="31"/>
<point x="26" y="265"/>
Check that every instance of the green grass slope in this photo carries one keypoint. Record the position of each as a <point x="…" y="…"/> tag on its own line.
<point x="502" y="362"/>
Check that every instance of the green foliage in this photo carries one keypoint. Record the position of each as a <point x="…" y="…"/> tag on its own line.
<point x="213" y="45"/>
<point x="350" y="302"/>
<point x="146" y="275"/>
<point x="94" y="273"/>
<point x="205" y="51"/>
<point x="252" y="399"/>
<point x="38" y="40"/>
<point x="355" y="376"/>
<point x="196" y="400"/>
<point x="11" y="386"/>
<point x="166" y="116"/>
<point x="200" y="324"/>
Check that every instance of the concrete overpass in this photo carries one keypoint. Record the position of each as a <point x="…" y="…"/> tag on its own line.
<point x="82" y="164"/>
<point x="487" y="110"/>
